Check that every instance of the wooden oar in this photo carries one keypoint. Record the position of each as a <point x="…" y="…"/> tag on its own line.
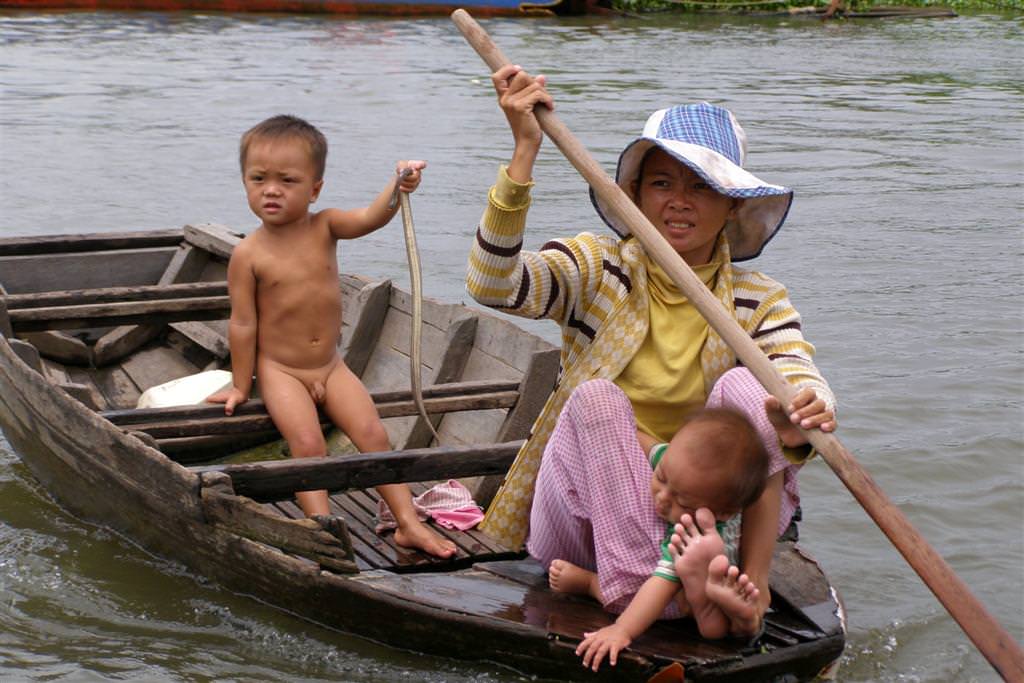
<point x="1002" y="652"/>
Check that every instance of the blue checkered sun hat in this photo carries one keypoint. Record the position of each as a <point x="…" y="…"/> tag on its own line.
<point x="710" y="141"/>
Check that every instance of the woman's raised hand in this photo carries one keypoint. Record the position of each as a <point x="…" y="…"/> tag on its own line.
<point x="518" y="94"/>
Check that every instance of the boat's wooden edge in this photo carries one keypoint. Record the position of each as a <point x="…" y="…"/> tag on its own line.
<point x="29" y="401"/>
<point x="324" y="541"/>
<point x="221" y="425"/>
<point x="278" y="479"/>
<point x="44" y="245"/>
<point x="449" y="390"/>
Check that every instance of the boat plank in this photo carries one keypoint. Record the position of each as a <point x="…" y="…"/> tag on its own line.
<point x="84" y="388"/>
<point x="367" y="557"/>
<point x="242" y="424"/>
<point x="156" y="365"/>
<point x="23" y="274"/>
<point x="186" y="264"/>
<point x="204" y="337"/>
<point x="101" y="241"/>
<point x="281" y="478"/>
<point x="361" y="526"/>
<point x="6" y="329"/>
<point x="303" y="537"/>
<point x="212" y="237"/>
<point x="457" y="345"/>
<point x="370" y="310"/>
<point x="54" y="372"/>
<point x="256" y="406"/>
<point x="113" y="314"/>
<point x="60" y="346"/>
<point x="117" y="386"/>
<point x="106" y="295"/>
<point x="193" y="450"/>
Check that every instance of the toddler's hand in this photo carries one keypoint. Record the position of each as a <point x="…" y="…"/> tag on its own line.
<point x="409" y="174"/>
<point x="230" y="398"/>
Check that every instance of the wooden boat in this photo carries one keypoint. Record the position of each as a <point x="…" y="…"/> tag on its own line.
<point x="88" y="322"/>
<point x="485" y="8"/>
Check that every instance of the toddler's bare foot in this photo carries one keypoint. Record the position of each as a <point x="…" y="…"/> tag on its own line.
<point x="693" y="546"/>
<point x="565" y="577"/>
<point x="421" y="537"/>
<point x="734" y="594"/>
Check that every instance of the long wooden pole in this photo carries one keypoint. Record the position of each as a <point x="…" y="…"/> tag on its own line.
<point x="1002" y="652"/>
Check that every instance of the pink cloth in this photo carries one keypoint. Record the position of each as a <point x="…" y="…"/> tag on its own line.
<point x="592" y="501"/>
<point x="449" y="504"/>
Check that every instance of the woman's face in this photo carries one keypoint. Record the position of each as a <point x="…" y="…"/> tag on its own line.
<point x="687" y="212"/>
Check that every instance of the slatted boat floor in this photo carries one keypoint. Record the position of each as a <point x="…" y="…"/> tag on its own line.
<point x="379" y="551"/>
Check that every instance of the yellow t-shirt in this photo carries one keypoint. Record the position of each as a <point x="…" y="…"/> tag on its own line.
<point x="664" y="380"/>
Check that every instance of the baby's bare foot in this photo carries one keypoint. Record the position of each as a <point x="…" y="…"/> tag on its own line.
<point x="421" y="537"/>
<point x="735" y="595"/>
<point x="565" y="577"/>
<point x="693" y="546"/>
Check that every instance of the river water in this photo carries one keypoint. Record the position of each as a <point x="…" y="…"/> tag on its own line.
<point x="903" y="252"/>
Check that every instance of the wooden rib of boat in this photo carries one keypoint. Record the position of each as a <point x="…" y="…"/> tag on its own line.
<point x="88" y="322"/>
<point x="486" y="8"/>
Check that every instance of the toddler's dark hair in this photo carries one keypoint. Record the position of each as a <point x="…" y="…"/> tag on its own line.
<point x="287" y="126"/>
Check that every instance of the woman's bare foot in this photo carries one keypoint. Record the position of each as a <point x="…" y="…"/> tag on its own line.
<point x="693" y="546"/>
<point x="417" y="535"/>
<point x="565" y="577"/>
<point x="735" y="595"/>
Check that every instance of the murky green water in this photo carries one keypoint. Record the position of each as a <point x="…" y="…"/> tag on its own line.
<point x="903" y="251"/>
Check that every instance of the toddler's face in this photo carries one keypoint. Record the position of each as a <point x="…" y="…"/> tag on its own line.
<point x="280" y="180"/>
<point x="680" y="487"/>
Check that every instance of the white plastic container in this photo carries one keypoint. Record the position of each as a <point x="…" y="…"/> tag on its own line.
<point x="186" y="391"/>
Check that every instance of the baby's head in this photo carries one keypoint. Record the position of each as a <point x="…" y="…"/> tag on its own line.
<point x="716" y="460"/>
<point x="285" y="128"/>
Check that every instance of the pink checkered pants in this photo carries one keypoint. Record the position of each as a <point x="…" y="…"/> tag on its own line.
<point x="592" y="502"/>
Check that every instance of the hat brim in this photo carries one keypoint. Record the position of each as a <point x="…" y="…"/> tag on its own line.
<point x="764" y="209"/>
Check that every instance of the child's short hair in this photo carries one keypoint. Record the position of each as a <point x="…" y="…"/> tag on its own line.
<point x="287" y="126"/>
<point x="727" y="438"/>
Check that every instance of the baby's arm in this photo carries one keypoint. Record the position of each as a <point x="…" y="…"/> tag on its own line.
<point x="345" y="225"/>
<point x="643" y="610"/>
<point x="241" y="330"/>
<point x="646" y="441"/>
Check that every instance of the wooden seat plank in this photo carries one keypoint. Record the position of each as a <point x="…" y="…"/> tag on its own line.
<point x="113" y="314"/>
<point x="93" y="269"/>
<point x="278" y="479"/>
<point x="101" y="241"/>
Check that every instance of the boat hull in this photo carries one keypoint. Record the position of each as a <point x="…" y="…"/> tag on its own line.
<point x="116" y="467"/>
<point x="339" y="7"/>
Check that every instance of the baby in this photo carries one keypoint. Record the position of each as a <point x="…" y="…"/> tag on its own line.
<point x="713" y="467"/>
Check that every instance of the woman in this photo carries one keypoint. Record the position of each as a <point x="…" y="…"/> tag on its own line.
<point x="623" y="320"/>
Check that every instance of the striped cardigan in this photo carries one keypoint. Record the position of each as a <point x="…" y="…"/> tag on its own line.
<point x="595" y="288"/>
